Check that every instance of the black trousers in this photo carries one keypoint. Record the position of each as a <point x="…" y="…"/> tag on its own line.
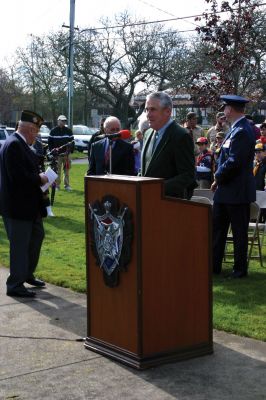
<point x="238" y="216"/>
<point x="25" y="238"/>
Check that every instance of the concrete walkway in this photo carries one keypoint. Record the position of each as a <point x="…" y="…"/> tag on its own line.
<point x="41" y="359"/>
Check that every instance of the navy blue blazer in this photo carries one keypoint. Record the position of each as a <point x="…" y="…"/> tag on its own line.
<point x="122" y="158"/>
<point x="20" y="193"/>
<point x="234" y="175"/>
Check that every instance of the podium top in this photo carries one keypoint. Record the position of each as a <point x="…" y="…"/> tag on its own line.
<point x="126" y="178"/>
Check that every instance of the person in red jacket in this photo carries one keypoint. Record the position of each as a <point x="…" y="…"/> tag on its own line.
<point x="204" y="164"/>
<point x="262" y="138"/>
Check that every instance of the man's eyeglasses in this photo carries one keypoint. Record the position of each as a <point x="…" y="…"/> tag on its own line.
<point x="115" y="129"/>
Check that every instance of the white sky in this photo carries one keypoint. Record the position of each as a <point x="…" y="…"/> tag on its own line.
<point x="20" y="18"/>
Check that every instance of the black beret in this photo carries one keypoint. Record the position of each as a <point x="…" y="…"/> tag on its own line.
<point x="31" y="116"/>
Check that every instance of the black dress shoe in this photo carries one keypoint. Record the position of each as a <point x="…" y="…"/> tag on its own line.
<point x="21" y="292"/>
<point x="237" y="274"/>
<point x="36" y="282"/>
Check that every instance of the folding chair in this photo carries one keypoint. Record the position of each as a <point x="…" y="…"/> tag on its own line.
<point x="201" y="199"/>
<point x="204" y="193"/>
<point x="254" y="232"/>
<point x="261" y="201"/>
<point x="253" y="235"/>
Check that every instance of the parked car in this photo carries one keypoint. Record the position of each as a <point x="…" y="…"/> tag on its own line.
<point x="82" y="136"/>
<point x="10" y="130"/>
<point x="44" y="132"/>
<point x="3" y="135"/>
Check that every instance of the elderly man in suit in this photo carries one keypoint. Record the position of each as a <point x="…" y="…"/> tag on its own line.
<point x="234" y="187"/>
<point x="168" y="150"/>
<point x="21" y="204"/>
<point x="122" y="153"/>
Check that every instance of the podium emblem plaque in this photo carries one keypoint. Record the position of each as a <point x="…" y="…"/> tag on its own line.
<point x="111" y="231"/>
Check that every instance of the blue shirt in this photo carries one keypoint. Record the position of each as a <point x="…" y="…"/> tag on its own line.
<point x="160" y="133"/>
<point x="106" y="145"/>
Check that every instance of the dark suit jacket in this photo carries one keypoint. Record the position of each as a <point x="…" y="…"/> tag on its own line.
<point x="20" y="193"/>
<point x="122" y="158"/>
<point x="173" y="160"/>
<point x="234" y="175"/>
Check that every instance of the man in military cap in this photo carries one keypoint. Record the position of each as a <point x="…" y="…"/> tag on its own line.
<point x="194" y="130"/>
<point x="234" y="187"/>
<point x="60" y="136"/>
<point x="220" y="127"/>
<point x="21" y="204"/>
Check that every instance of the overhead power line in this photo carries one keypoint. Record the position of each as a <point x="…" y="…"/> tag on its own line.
<point x="165" y="12"/>
<point x="148" y="35"/>
<point x="160" y="21"/>
<point x="93" y="30"/>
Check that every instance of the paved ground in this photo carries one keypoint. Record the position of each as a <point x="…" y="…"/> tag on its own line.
<point x="41" y="359"/>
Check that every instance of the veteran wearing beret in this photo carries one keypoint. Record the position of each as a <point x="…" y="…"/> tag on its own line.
<point x="21" y="204"/>
<point x="234" y="187"/>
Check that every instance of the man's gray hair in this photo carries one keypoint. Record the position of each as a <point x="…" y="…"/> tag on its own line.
<point x="164" y="98"/>
<point x="25" y="124"/>
<point x="111" y="119"/>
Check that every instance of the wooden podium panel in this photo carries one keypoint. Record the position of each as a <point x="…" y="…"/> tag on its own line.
<point x="115" y="312"/>
<point x="178" y="273"/>
<point x="162" y="308"/>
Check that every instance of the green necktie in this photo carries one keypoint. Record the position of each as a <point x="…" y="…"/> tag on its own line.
<point x="150" y="149"/>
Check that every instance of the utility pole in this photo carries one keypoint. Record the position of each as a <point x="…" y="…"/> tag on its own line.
<point x="33" y="53"/>
<point x="71" y="62"/>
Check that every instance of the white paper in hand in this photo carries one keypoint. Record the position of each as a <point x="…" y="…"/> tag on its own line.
<point x="51" y="175"/>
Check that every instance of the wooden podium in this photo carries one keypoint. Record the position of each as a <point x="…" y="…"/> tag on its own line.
<point x="161" y="310"/>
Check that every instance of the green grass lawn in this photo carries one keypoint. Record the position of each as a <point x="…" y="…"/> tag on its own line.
<point x="62" y="259"/>
<point x="239" y="305"/>
<point x="79" y="154"/>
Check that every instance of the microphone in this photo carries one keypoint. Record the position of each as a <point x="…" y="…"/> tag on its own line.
<point x="123" y="134"/>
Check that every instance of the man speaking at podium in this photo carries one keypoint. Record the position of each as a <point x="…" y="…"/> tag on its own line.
<point x="168" y="150"/>
<point x="122" y="152"/>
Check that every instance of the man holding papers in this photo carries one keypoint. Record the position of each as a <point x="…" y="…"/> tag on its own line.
<point x="21" y="204"/>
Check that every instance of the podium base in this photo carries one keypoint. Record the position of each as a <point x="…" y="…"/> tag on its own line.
<point x="141" y="363"/>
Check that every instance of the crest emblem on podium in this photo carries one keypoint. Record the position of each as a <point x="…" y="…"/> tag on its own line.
<point x="111" y="233"/>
